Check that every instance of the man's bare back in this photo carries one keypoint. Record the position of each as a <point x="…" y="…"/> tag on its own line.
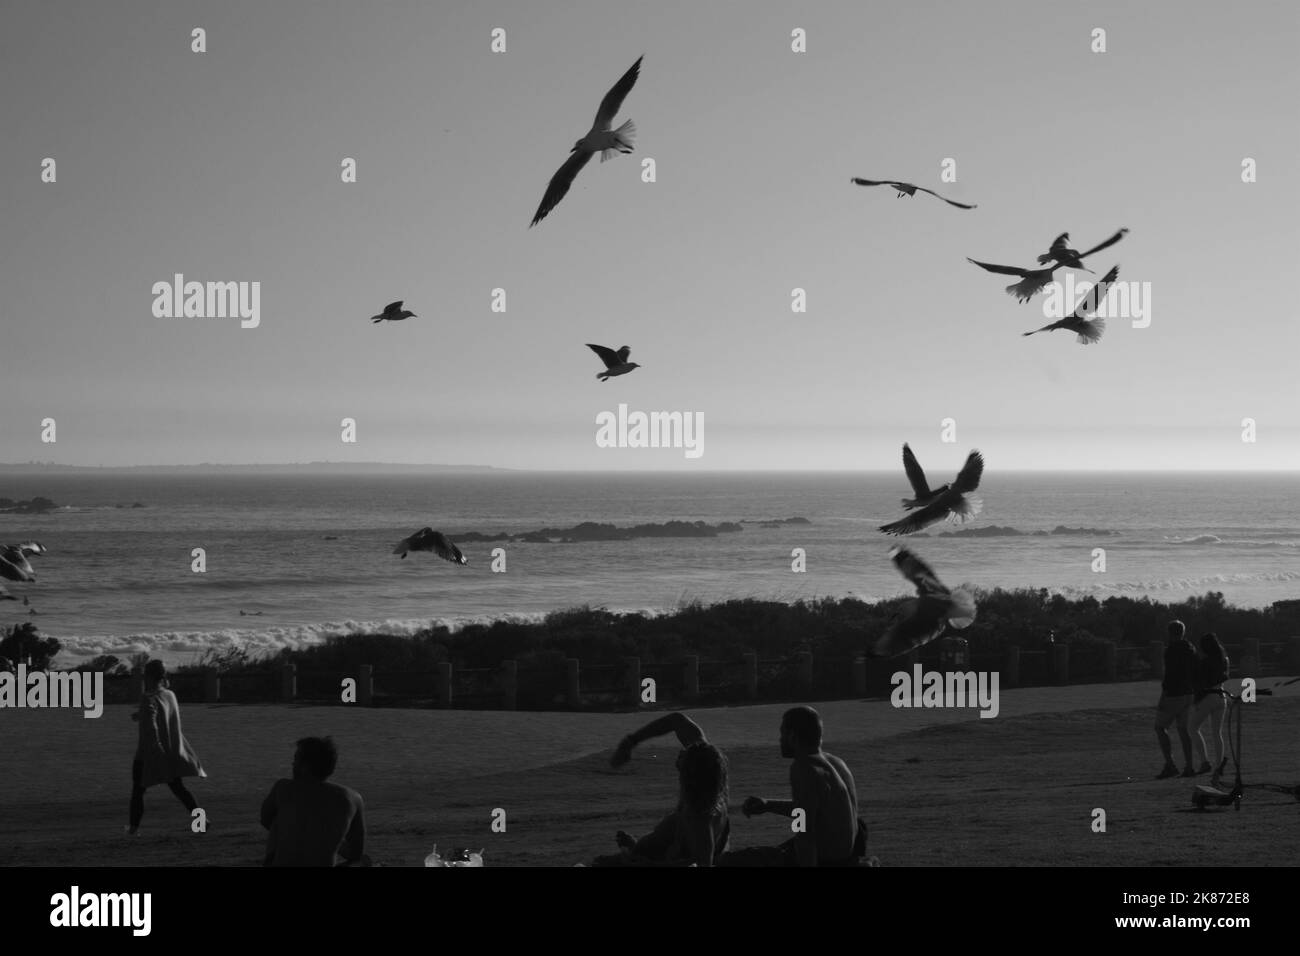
<point x="310" y="821"/>
<point x="821" y="784"/>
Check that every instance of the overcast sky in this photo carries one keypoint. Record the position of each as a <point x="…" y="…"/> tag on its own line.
<point x="225" y="166"/>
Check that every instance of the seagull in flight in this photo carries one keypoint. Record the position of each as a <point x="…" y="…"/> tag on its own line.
<point x="426" y="539"/>
<point x="907" y="189"/>
<point x="616" y="363"/>
<point x="1063" y="255"/>
<point x="393" y="312"/>
<point x="1032" y="281"/>
<point x="949" y="502"/>
<point x="924" y="617"/>
<point x="600" y="138"/>
<point x="1088" y="330"/>
<point x="13" y="561"/>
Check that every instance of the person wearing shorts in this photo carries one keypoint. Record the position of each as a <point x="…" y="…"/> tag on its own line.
<point x="1176" y="692"/>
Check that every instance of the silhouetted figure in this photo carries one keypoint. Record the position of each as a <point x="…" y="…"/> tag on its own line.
<point x="822" y="788"/>
<point x="162" y="755"/>
<point x="313" y="822"/>
<point x="1176" y="691"/>
<point x="1209" y="702"/>
<point x="698" y="830"/>
<point x="599" y="139"/>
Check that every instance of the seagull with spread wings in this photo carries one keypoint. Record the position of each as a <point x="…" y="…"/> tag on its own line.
<point x="924" y="617"/>
<point x="426" y="539"/>
<point x="1032" y="281"/>
<point x="393" y="312"/>
<point x="907" y="189"/>
<point x="949" y="502"/>
<point x="600" y="139"/>
<point x="616" y="363"/>
<point x="1063" y="255"/>
<point x="13" y="561"/>
<point x="1088" y="330"/>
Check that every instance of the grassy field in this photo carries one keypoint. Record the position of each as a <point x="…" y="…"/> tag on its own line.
<point x="937" y="787"/>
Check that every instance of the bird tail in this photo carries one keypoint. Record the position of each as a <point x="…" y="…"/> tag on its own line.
<point x="962" y="612"/>
<point x="1090" y="331"/>
<point x="624" y="138"/>
<point x="966" y="508"/>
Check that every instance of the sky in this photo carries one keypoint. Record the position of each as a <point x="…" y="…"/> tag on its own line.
<point x="225" y="165"/>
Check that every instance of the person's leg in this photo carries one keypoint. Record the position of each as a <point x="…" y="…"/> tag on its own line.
<point x="1163" y="719"/>
<point x="184" y="796"/>
<point x="1196" y="724"/>
<point x="137" y="795"/>
<point x="1185" y="737"/>
<point x="1218" y="710"/>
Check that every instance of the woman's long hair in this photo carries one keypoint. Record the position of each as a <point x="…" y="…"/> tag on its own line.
<point x="1215" y="651"/>
<point x="702" y="774"/>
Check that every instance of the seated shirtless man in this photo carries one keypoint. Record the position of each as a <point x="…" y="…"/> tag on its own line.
<point x="312" y="822"/>
<point x="696" y="831"/>
<point x="820" y="785"/>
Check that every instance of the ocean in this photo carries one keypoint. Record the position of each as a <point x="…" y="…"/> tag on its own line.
<point x="119" y="580"/>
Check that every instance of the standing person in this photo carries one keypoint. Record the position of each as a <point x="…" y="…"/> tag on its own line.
<point x="313" y="822"/>
<point x="1208" y="703"/>
<point x="162" y="755"/>
<point x="698" y="830"/>
<point x="822" y="787"/>
<point x="1176" y="691"/>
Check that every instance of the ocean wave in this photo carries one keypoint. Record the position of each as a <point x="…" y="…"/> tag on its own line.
<point x="273" y="639"/>
<point x="1178" y="584"/>
<point x="1237" y="542"/>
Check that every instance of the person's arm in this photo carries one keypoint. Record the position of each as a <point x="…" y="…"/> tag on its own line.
<point x="687" y="731"/>
<point x="354" y="844"/>
<point x="806" y="789"/>
<point x="756" y="805"/>
<point x="270" y="806"/>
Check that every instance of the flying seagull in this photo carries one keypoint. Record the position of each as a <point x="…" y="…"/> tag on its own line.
<point x="1089" y="330"/>
<point x="916" y="478"/>
<point x="950" y="501"/>
<point x="1032" y="281"/>
<point x="1063" y="255"/>
<point x="616" y="363"/>
<point x="907" y="189"/>
<point x="599" y="139"/>
<point x="13" y="561"/>
<point x="393" y="312"/>
<point x="923" y="618"/>
<point x="426" y="539"/>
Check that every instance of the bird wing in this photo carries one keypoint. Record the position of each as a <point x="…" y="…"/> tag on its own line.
<point x="393" y="307"/>
<point x="32" y="547"/>
<point x="443" y="547"/>
<point x="915" y="475"/>
<point x="608" y="356"/>
<point x="1004" y="270"/>
<point x="623" y="354"/>
<point x="921" y="518"/>
<point x="1092" y="298"/>
<point x="609" y="106"/>
<point x="919" y="625"/>
<point x="959" y="205"/>
<point x="559" y="184"/>
<point x="968" y="479"/>
<point x="1108" y="243"/>
<point x="877" y="182"/>
<point x="918" y="572"/>
<point x="1059" y="243"/>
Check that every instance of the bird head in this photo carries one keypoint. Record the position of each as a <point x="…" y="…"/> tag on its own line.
<point x="574" y="147"/>
<point x="633" y="365"/>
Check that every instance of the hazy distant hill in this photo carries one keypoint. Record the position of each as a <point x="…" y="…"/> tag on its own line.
<point x="311" y="467"/>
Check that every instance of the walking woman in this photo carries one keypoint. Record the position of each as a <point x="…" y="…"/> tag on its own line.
<point x="163" y="755"/>
<point x="1209" y="703"/>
